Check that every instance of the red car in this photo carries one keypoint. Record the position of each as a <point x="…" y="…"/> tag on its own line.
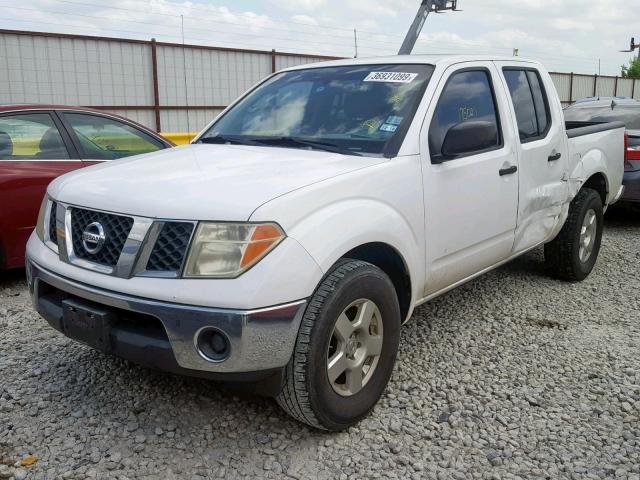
<point x="41" y="142"/>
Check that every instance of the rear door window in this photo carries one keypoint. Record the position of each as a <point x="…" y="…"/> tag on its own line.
<point x="103" y="138"/>
<point x="32" y="136"/>
<point x="529" y="102"/>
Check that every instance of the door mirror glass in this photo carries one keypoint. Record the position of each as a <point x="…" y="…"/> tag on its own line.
<point x="469" y="137"/>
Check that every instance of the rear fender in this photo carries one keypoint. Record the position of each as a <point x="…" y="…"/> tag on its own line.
<point x="592" y="163"/>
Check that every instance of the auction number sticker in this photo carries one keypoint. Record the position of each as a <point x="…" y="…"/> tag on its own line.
<point x="391" y="77"/>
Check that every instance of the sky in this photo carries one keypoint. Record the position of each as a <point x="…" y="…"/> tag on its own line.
<point x="566" y="35"/>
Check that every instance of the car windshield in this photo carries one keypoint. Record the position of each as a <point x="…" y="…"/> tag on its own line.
<point x="629" y="115"/>
<point x="357" y="110"/>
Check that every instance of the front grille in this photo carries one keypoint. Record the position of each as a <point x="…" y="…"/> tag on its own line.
<point x="116" y="229"/>
<point x="169" y="252"/>
<point x="53" y="230"/>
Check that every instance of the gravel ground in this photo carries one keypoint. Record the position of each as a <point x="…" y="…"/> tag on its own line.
<point x="511" y="376"/>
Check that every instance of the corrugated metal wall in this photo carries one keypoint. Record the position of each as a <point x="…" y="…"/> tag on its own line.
<point x="74" y="71"/>
<point x="572" y="87"/>
<point x="164" y="86"/>
<point x="169" y="87"/>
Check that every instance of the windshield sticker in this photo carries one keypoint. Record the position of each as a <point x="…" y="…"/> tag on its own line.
<point x="389" y="128"/>
<point x="371" y="125"/>
<point x="391" y="77"/>
<point x="393" y="120"/>
<point x="396" y="99"/>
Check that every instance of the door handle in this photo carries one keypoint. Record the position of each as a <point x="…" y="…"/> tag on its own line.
<point x="555" y="157"/>
<point x="508" y="171"/>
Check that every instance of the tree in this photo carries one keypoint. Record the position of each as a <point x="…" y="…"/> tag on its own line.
<point x="632" y="70"/>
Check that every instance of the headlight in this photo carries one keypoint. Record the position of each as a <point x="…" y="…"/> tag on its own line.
<point x="226" y="250"/>
<point x="41" y="216"/>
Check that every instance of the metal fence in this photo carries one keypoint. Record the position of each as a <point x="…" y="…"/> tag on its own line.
<point x="170" y="87"/>
<point x="572" y="87"/>
<point x="165" y="86"/>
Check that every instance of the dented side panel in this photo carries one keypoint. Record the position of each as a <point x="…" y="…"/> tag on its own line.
<point x="597" y="153"/>
<point x="543" y="171"/>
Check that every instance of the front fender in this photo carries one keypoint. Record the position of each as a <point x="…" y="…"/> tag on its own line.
<point x="336" y="228"/>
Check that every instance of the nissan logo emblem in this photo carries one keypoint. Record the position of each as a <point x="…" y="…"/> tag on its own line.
<point x="93" y="238"/>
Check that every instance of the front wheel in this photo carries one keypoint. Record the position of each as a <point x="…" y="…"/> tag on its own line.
<point x="574" y="252"/>
<point x="345" y="350"/>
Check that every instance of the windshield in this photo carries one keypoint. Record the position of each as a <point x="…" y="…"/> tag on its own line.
<point x="358" y="110"/>
<point x="629" y="115"/>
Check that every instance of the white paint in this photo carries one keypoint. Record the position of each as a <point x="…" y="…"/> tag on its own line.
<point x="449" y="222"/>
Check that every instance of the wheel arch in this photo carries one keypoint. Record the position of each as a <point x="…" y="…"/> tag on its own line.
<point x="598" y="182"/>
<point x="391" y="262"/>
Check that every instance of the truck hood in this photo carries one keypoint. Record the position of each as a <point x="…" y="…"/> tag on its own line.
<point x="201" y="182"/>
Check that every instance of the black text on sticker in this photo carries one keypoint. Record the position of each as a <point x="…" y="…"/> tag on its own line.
<point x="392" y="77"/>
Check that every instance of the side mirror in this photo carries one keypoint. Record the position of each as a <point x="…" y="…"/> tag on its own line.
<point x="469" y="137"/>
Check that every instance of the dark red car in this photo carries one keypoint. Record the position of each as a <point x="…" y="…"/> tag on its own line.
<point x="41" y="142"/>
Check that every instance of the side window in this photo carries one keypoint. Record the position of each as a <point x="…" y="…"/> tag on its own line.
<point x="540" y="101"/>
<point x="31" y="136"/>
<point x="530" y="103"/>
<point x="466" y="120"/>
<point x="104" y="138"/>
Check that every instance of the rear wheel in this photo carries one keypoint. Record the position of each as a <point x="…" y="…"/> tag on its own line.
<point x="345" y="350"/>
<point x="574" y="252"/>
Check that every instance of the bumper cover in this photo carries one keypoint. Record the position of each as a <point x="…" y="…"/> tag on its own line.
<point x="631" y="183"/>
<point x="261" y="341"/>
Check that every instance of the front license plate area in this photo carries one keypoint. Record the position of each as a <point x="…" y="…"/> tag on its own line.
<point x="87" y="323"/>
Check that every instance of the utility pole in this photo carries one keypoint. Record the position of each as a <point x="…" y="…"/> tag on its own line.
<point x="427" y="6"/>
<point x="355" y="38"/>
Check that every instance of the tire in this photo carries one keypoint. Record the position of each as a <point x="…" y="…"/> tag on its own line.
<point x="308" y="394"/>
<point x="563" y="254"/>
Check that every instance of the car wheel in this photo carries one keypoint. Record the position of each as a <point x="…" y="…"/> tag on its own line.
<point x="345" y="350"/>
<point x="574" y="252"/>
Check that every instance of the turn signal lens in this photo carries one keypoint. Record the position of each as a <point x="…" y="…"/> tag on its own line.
<point x="264" y="238"/>
<point x="227" y="250"/>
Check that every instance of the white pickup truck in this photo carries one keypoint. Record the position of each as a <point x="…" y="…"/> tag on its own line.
<point x="288" y="244"/>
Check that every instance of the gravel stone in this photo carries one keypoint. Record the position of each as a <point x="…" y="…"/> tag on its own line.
<point x="512" y="376"/>
<point x="20" y="474"/>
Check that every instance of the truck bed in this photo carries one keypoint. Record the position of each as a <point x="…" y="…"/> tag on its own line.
<point x="579" y="129"/>
<point x="599" y="146"/>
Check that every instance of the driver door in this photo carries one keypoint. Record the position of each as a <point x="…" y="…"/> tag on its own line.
<point x="471" y="198"/>
<point x="103" y="138"/>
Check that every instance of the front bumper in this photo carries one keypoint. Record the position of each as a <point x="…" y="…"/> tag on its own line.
<point x="631" y="183"/>
<point x="162" y="335"/>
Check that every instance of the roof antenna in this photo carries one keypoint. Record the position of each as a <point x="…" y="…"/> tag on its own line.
<point x="427" y="6"/>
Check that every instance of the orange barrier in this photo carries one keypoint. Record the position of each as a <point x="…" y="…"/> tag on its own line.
<point x="179" y="138"/>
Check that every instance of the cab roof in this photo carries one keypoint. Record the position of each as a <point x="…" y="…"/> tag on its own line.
<point x="444" y="60"/>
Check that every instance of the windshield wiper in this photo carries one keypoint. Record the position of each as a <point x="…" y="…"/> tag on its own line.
<point x="299" y="142"/>
<point x="228" y="139"/>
